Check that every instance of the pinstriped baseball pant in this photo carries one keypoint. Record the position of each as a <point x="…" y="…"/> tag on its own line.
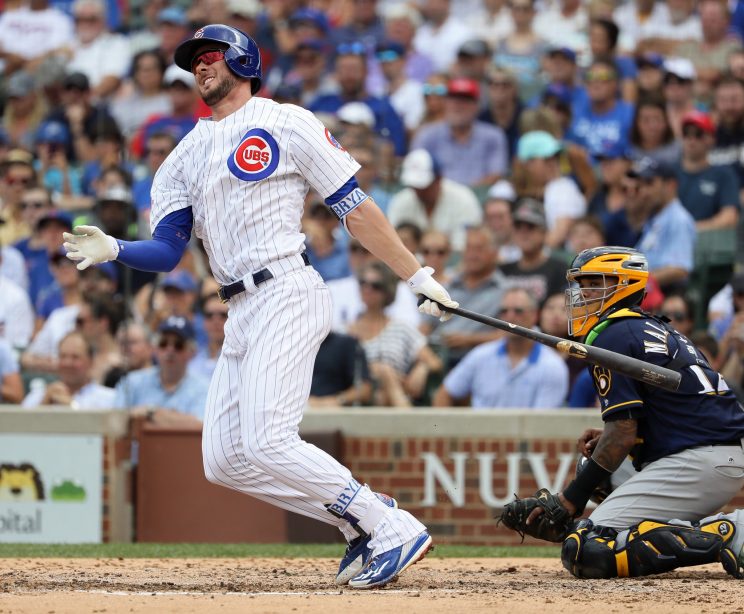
<point x="258" y="393"/>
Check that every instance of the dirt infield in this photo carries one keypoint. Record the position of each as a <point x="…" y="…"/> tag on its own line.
<point x="435" y="585"/>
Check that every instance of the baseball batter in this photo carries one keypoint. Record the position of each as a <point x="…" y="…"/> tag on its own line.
<point x="686" y="445"/>
<point x="239" y="180"/>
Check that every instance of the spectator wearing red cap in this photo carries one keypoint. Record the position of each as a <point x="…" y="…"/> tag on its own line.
<point x="709" y="193"/>
<point x="469" y="151"/>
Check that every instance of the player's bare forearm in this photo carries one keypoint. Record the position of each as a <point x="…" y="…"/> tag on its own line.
<point x="617" y="439"/>
<point x="369" y="224"/>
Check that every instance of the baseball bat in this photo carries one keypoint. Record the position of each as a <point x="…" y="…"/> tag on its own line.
<point x="640" y="370"/>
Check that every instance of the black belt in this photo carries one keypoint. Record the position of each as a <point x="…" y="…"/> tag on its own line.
<point x="227" y="292"/>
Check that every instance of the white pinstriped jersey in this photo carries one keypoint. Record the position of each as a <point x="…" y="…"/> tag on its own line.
<point x="246" y="178"/>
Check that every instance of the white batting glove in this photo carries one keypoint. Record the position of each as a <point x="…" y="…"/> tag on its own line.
<point x="421" y="282"/>
<point x="90" y="245"/>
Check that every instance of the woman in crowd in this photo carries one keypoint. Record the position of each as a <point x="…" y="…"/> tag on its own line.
<point x="651" y="134"/>
<point x="399" y="358"/>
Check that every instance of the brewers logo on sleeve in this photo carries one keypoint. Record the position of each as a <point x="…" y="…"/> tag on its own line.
<point x="255" y="157"/>
<point x="602" y="379"/>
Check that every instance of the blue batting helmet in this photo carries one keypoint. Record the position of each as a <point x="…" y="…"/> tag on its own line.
<point x="242" y="56"/>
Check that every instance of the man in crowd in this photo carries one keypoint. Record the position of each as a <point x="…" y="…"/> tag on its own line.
<point x="709" y="193"/>
<point x="433" y="202"/>
<point x="470" y="152"/>
<point x="512" y="372"/>
<point x="480" y="286"/>
<point x="728" y="149"/>
<point x="538" y="272"/>
<point x="168" y="385"/>
<point x="668" y="235"/>
<point x="75" y="386"/>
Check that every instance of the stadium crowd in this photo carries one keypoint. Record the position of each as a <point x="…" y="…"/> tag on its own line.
<point x="500" y="137"/>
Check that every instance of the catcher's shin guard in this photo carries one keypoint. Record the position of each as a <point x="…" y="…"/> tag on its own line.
<point x="647" y="548"/>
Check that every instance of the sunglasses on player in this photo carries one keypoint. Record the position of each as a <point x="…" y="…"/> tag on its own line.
<point x="207" y="57"/>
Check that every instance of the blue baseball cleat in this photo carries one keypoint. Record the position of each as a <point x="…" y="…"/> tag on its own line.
<point x="357" y="551"/>
<point x="386" y="567"/>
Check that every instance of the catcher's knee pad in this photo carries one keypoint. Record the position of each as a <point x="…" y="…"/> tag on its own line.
<point x="588" y="552"/>
<point x="646" y="548"/>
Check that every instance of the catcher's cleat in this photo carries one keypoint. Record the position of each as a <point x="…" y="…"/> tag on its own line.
<point x="357" y="551"/>
<point x="386" y="567"/>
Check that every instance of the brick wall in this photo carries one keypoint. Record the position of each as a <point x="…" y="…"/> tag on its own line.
<point x="399" y="466"/>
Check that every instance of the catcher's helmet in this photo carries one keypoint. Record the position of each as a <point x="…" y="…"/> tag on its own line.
<point x="614" y="277"/>
<point x="242" y="56"/>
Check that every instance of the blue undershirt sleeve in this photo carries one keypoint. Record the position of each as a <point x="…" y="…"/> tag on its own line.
<point x="164" y="251"/>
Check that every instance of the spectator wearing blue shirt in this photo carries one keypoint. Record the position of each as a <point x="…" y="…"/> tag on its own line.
<point x="55" y="171"/>
<point x="603" y="37"/>
<point x="668" y="236"/>
<point x="605" y="121"/>
<point x="513" y="372"/>
<point x="709" y="193"/>
<point x="168" y="385"/>
<point x="351" y="75"/>
<point x="468" y="151"/>
<point x="562" y="71"/>
<point x="157" y="148"/>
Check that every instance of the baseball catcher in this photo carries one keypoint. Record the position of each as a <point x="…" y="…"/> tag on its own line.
<point x="685" y="446"/>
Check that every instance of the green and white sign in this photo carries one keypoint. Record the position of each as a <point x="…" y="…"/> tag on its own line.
<point x="51" y="488"/>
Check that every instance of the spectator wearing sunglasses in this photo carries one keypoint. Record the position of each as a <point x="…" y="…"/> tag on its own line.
<point x="399" y="358"/>
<point x="605" y="121"/>
<point x="350" y="71"/>
<point x="434" y="91"/>
<point x="169" y="385"/>
<point x="680" y="311"/>
<point x="510" y="373"/>
<point x="406" y="94"/>
<point x="401" y="24"/>
<point x="709" y="193"/>
<point x="214" y="314"/>
<point x="16" y="175"/>
<point x="75" y="386"/>
<point x="503" y="106"/>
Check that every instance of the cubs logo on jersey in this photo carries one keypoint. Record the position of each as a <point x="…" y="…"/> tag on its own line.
<point x="255" y="157"/>
<point x="332" y="140"/>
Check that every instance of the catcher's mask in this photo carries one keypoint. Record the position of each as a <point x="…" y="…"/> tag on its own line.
<point x="600" y="280"/>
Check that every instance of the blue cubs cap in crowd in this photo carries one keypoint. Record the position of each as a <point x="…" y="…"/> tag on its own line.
<point x="311" y="16"/>
<point x="650" y="168"/>
<point x="566" y="52"/>
<point x="179" y="280"/>
<point x="538" y="144"/>
<point x="53" y="132"/>
<point x="55" y="216"/>
<point x="177" y="325"/>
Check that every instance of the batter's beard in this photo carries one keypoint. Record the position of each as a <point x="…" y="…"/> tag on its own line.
<point x="223" y="88"/>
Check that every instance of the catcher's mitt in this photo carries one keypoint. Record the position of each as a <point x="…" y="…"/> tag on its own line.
<point x="552" y="525"/>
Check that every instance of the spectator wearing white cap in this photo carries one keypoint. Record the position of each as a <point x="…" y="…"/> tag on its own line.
<point x="185" y="110"/>
<point x="401" y="24"/>
<point x="679" y="81"/>
<point x="433" y="202"/>
<point x="243" y="15"/>
<point x="100" y="55"/>
<point x="497" y="215"/>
